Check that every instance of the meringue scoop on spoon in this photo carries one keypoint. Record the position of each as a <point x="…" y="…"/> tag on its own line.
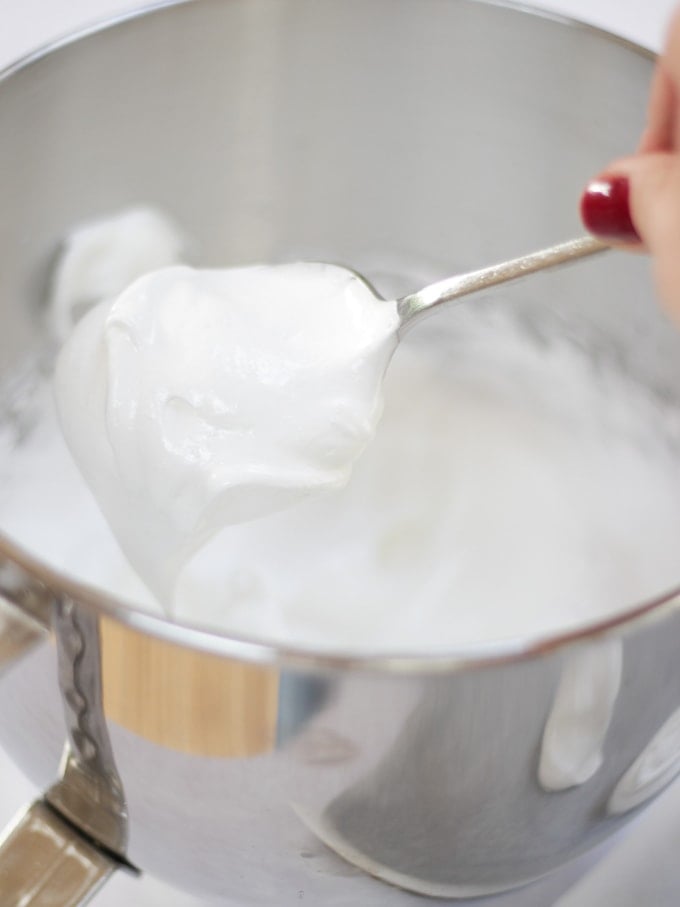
<point x="202" y="398"/>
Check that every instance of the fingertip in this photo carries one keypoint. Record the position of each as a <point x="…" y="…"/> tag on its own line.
<point x="659" y="133"/>
<point x="605" y="209"/>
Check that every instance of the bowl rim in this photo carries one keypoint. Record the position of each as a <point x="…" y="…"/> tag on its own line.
<point x="36" y="575"/>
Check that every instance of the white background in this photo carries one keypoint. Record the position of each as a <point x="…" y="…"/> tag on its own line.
<point x="644" y="869"/>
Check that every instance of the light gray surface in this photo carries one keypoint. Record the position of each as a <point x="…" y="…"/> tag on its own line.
<point x="643" y="868"/>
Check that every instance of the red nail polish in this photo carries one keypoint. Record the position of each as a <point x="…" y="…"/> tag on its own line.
<point x="605" y="209"/>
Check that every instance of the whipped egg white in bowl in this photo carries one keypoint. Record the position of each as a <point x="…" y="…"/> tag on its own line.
<point x="453" y="673"/>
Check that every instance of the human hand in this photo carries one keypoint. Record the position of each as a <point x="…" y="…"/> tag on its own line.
<point x="635" y="202"/>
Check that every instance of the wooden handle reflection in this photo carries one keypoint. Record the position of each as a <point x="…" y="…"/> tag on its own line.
<point x="18" y="634"/>
<point x="184" y="700"/>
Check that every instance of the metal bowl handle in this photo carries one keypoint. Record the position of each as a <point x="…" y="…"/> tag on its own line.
<point x="62" y="848"/>
<point x="45" y="862"/>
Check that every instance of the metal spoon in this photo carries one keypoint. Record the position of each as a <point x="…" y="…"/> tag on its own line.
<point x="415" y="306"/>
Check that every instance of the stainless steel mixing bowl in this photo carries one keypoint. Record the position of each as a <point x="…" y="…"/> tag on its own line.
<point x="425" y="136"/>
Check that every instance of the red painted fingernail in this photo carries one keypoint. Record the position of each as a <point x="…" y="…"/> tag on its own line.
<point x="605" y="209"/>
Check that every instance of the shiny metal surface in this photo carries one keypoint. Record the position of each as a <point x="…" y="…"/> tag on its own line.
<point x="18" y="634"/>
<point x="89" y="793"/>
<point x="44" y="862"/>
<point x="68" y="844"/>
<point x="276" y="776"/>
<point x="425" y="301"/>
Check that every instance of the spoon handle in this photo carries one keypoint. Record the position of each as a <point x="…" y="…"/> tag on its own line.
<point x="418" y="304"/>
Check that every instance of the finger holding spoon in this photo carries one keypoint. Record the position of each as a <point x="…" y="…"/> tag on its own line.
<point x="635" y="202"/>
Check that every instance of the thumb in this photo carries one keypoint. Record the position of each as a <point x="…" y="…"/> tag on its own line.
<point x="636" y="205"/>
